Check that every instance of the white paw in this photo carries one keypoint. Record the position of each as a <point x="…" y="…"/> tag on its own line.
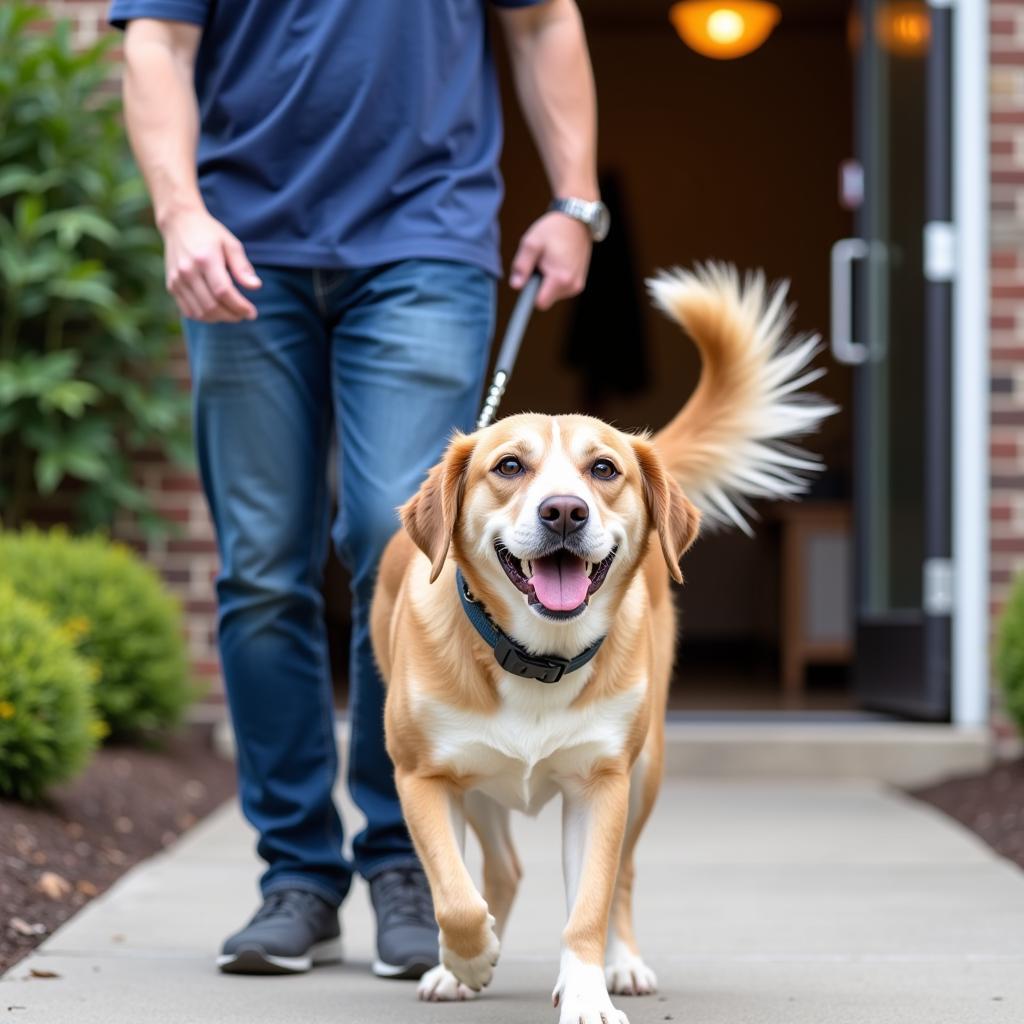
<point x="439" y="985"/>
<point x="627" y="975"/>
<point x="582" y="996"/>
<point x="474" y="972"/>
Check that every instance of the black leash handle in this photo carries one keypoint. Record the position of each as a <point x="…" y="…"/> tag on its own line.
<point x="506" y="361"/>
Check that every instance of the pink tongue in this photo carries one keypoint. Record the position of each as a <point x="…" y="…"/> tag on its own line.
<point x="560" y="581"/>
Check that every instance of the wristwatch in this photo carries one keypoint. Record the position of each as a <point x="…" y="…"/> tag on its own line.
<point x="593" y="213"/>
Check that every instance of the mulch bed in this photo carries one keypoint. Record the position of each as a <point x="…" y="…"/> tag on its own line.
<point x="129" y="803"/>
<point x="990" y="804"/>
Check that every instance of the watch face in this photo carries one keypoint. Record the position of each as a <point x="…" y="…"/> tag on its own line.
<point x="600" y="222"/>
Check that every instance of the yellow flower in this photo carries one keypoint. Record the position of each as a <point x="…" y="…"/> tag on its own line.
<point x="6" y="710"/>
<point x="75" y="628"/>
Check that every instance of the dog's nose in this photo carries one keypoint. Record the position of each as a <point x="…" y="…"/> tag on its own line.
<point x="563" y="513"/>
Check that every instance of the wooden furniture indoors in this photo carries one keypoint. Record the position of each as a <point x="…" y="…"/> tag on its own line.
<point x="816" y="585"/>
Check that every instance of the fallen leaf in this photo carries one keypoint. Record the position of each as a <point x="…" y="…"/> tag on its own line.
<point x="86" y="888"/>
<point x="53" y="885"/>
<point x="193" y="790"/>
<point x="20" y="926"/>
<point x="39" y="972"/>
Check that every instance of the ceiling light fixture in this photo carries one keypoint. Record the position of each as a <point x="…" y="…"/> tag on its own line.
<point x="724" y="29"/>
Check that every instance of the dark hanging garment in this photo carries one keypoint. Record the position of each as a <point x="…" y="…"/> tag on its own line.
<point x="607" y="338"/>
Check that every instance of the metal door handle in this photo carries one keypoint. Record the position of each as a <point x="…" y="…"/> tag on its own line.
<point x="845" y="253"/>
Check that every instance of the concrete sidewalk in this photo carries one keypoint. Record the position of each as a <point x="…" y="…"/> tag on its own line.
<point x="758" y="903"/>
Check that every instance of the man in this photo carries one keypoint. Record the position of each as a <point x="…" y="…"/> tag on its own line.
<point x="324" y="175"/>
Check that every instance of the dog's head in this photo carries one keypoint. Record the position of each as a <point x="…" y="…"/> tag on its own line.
<point x="549" y="514"/>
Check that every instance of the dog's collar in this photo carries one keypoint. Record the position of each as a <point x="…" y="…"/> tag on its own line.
<point x="511" y="656"/>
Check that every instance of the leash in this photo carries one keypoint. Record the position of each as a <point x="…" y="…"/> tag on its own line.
<point x="506" y="360"/>
<point x="509" y="654"/>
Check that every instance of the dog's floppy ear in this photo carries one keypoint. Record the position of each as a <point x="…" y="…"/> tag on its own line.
<point x="429" y="515"/>
<point x="673" y="515"/>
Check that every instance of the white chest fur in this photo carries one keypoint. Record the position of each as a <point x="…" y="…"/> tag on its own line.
<point x="535" y="743"/>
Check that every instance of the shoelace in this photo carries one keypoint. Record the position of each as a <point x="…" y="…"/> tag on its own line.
<point x="286" y="903"/>
<point x="403" y="897"/>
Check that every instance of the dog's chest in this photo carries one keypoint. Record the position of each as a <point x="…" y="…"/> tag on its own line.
<point x="536" y="742"/>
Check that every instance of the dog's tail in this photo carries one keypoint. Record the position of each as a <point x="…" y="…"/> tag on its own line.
<point x="731" y="441"/>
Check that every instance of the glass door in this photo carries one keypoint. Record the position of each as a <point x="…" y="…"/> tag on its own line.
<point x="891" y="312"/>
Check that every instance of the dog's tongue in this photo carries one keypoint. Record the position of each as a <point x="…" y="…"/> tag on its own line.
<point x="560" y="581"/>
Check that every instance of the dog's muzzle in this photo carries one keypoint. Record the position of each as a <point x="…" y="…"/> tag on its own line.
<point x="560" y="583"/>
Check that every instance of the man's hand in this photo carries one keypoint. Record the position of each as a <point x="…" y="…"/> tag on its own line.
<point x="202" y="257"/>
<point x="559" y="247"/>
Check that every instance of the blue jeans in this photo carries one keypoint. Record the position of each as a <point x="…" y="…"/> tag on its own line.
<point x="394" y="356"/>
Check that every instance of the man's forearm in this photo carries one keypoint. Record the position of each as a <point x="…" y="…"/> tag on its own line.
<point x="555" y="84"/>
<point x="161" y="113"/>
<point x="204" y="261"/>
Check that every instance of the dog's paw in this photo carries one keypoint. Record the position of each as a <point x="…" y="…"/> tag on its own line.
<point x="581" y="995"/>
<point x="439" y="985"/>
<point x="474" y="972"/>
<point x="627" y="975"/>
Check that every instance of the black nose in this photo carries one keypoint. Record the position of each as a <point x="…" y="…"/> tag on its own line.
<point x="563" y="513"/>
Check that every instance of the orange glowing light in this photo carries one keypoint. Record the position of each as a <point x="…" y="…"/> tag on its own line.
<point x="724" y="29"/>
<point x="904" y="28"/>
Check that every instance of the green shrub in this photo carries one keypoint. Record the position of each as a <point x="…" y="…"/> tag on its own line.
<point x="86" y="328"/>
<point x="1010" y="652"/>
<point x="130" y="626"/>
<point x="47" y="726"/>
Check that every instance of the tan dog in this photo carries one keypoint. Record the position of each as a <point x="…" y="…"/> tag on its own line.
<point x="566" y="532"/>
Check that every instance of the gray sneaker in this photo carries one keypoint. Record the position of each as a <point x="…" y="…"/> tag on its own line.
<point x="406" y="927"/>
<point x="291" y="932"/>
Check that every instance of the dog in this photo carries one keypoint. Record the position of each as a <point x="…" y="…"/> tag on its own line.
<point x="524" y="625"/>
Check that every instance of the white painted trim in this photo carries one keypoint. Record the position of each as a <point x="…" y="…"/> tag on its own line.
<point x="970" y="365"/>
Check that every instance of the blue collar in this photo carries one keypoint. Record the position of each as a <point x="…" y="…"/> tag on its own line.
<point x="513" y="657"/>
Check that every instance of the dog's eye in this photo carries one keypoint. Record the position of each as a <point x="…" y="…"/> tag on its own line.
<point x="509" y="466"/>
<point x="604" y="469"/>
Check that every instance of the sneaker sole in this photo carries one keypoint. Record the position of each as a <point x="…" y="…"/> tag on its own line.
<point x="413" y="970"/>
<point x="256" y="960"/>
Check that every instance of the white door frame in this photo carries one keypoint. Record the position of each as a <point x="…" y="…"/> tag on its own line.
<point x="970" y="672"/>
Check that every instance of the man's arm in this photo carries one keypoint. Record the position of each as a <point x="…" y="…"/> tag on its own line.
<point x="201" y="255"/>
<point x="555" y="84"/>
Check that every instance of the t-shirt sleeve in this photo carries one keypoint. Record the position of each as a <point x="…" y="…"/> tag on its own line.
<point x="192" y="11"/>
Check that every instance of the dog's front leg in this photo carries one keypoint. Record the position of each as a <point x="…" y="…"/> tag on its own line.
<point x="593" y="823"/>
<point x="469" y="945"/>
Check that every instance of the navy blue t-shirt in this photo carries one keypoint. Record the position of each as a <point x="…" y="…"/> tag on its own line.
<point x="346" y="133"/>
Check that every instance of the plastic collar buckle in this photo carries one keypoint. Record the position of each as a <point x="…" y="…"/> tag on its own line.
<point x="513" y="659"/>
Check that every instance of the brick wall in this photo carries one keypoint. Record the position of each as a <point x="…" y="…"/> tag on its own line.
<point x="1007" y="309"/>
<point x="186" y="558"/>
<point x="89" y="17"/>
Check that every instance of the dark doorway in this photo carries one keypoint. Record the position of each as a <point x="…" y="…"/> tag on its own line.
<point x="735" y="160"/>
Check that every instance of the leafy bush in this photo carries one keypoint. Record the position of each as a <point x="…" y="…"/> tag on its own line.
<point x="131" y="627"/>
<point x="47" y="728"/>
<point x="1010" y="652"/>
<point x="85" y="324"/>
